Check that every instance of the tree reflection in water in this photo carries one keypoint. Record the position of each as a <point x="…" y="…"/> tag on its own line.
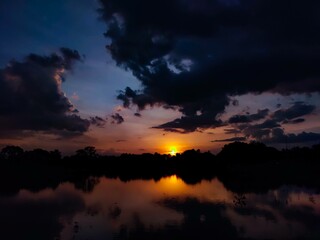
<point x="166" y="209"/>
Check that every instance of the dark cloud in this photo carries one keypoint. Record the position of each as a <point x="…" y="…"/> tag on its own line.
<point x="69" y="56"/>
<point x="299" y="109"/>
<point x="235" y="139"/>
<point x="232" y="131"/>
<point x="261" y="114"/>
<point x="117" y="118"/>
<point x="264" y="131"/>
<point x="267" y="124"/>
<point x="31" y="96"/>
<point x="270" y="132"/>
<point x="16" y="134"/>
<point x="259" y="131"/>
<point x="98" y="121"/>
<point x="188" y="124"/>
<point x="65" y="134"/>
<point x="194" y="55"/>
<point x="137" y="114"/>
<point x="172" y="130"/>
<point x="278" y="136"/>
<point x="295" y="121"/>
<point x="239" y="119"/>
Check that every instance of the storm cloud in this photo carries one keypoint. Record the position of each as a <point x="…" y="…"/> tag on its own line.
<point x="195" y="55"/>
<point x="32" y="99"/>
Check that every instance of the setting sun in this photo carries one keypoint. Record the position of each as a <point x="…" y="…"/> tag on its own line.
<point x="173" y="151"/>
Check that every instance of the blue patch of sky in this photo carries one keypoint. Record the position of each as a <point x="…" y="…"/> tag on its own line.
<point x="42" y="27"/>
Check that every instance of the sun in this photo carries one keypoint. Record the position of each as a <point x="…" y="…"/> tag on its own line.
<point x="173" y="151"/>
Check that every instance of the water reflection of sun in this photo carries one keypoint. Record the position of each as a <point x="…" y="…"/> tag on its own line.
<point x="173" y="179"/>
<point x="172" y="184"/>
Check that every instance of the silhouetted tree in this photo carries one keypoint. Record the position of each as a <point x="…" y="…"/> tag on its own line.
<point x="244" y="153"/>
<point x="87" y="152"/>
<point x="242" y="167"/>
<point x="55" y="155"/>
<point x="11" y="153"/>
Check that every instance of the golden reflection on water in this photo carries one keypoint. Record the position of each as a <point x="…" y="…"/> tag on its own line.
<point x="140" y="198"/>
<point x="171" y="185"/>
<point x="113" y="205"/>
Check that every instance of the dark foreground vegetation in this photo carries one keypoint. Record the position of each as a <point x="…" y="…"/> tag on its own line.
<point x="240" y="166"/>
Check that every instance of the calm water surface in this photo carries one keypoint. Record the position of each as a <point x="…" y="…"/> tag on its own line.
<point x="166" y="209"/>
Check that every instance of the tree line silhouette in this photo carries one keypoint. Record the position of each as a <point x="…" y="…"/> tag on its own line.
<point x="242" y="167"/>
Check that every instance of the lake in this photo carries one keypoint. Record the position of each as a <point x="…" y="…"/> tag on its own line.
<point x="105" y="208"/>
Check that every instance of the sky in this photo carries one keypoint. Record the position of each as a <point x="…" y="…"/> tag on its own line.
<point x="148" y="76"/>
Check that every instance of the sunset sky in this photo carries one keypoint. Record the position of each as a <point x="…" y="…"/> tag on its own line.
<point x="151" y="76"/>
